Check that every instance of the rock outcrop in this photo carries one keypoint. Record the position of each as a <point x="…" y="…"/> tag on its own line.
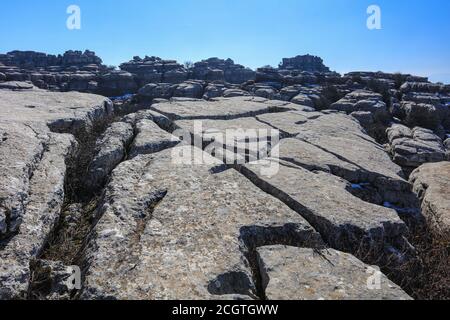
<point x="215" y="69"/>
<point x="318" y="177"/>
<point x="431" y="182"/>
<point x="304" y="63"/>
<point x="412" y="148"/>
<point x="158" y="202"/>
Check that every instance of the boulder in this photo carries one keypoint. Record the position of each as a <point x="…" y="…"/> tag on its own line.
<point x="150" y="139"/>
<point x="290" y="273"/>
<point x="430" y="182"/>
<point x="189" y="89"/>
<point x="170" y="241"/>
<point x="303" y="100"/>
<point x="423" y="115"/>
<point x="362" y="100"/>
<point x="156" y="91"/>
<point x="412" y="148"/>
<point x="230" y="93"/>
<point x="215" y="69"/>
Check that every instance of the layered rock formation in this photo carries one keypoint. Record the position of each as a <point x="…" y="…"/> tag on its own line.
<point x="163" y="218"/>
<point x="292" y="159"/>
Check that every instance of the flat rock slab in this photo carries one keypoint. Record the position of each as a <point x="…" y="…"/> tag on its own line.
<point x="42" y="207"/>
<point x="345" y="221"/>
<point x="288" y="122"/>
<point x="432" y="183"/>
<point x="182" y="231"/>
<point x="291" y="273"/>
<point x="221" y="108"/>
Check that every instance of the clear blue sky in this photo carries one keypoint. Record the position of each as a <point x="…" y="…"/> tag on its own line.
<point x="415" y="37"/>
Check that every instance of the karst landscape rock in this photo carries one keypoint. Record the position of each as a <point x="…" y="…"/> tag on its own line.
<point x="346" y="171"/>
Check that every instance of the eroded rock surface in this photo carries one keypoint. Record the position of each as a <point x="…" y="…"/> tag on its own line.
<point x="165" y="224"/>
<point x="412" y="148"/>
<point x="431" y="183"/>
<point x="291" y="273"/>
<point x="152" y="227"/>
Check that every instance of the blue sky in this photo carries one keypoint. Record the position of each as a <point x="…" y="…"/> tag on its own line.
<point x="415" y="35"/>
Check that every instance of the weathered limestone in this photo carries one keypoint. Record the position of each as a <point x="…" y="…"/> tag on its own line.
<point x="150" y="139"/>
<point x="362" y="100"/>
<point x="42" y="205"/>
<point x="412" y="148"/>
<point x="111" y="149"/>
<point x="431" y="183"/>
<point x="290" y="273"/>
<point x="63" y="112"/>
<point x="221" y="108"/>
<point x="164" y="223"/>
<point x="346" y="222"/>
<point x="33" y="172"/>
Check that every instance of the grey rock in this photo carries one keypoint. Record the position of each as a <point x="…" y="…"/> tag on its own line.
<point x="116" y="83"/>
<point x="431" y="182"/>
<point x="412" y="148"/>
<point x="423" y="115"/>
<point x="154" y="91"/>
<point x="447" y="147"/>
<point x="168" y="234"/>
<point x="111" y="149"/>
<point x="215" y="69"/>
<point x="362" y="100"/>
<point x="53" y="281"/>
<point x="290" y="273"/>
<point x="189" y="89"/>
<point x="221" y="108"/>
<point x="303" y="100"/>
<point x="150" y="139"/>
<point x="347" y="223"/>
<point x="214" y="90"/>
<point x="230" y="93"/>
<point x="304" y="63"/>
<point x="44" y="200"/>
<point x="17" y="86"/>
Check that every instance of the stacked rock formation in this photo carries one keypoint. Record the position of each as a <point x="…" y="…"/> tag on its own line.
<point x="215" y="69"/>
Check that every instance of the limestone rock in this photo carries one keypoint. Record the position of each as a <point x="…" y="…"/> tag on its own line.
<point x="412" y="148"/>
<point x="362" y="100"/>
<point x="111" y="149"/>
<point x="45" y="197"/>
<point x="221" y="108"/>
<point x="423" y="115"/>
<point x="164" y="221"/>
<point x="346" y="222"/>
<point x="431" y="182"/>
<point x="189" y="89"/>
<point x="150" y="139"/>
<point x="156" y="91"/>
<point x="290" y="273"/>
<point x="304" y="63"/>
